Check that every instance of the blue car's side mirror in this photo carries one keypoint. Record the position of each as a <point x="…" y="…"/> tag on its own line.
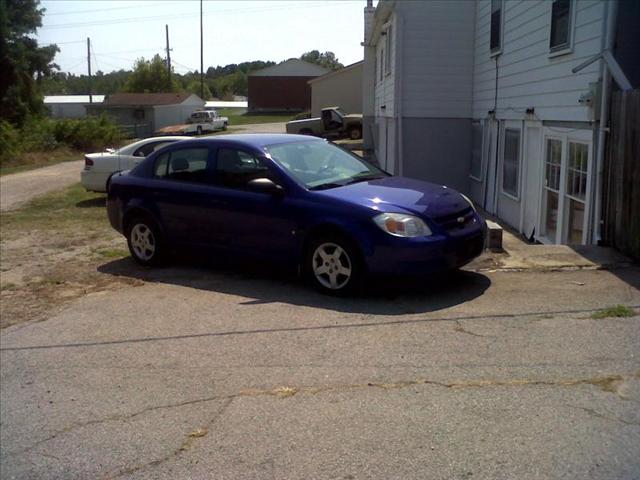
<point x="265" y="185"/>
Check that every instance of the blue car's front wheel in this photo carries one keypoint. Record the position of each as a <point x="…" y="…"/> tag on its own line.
<point x="333" y="265"/>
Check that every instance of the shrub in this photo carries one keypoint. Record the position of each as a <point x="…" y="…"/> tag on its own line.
<point x="44" y="134"/>
<point x="9" y="141"/>
<point x="87" y="133"/>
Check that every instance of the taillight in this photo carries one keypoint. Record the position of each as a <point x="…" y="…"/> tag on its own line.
<point x="88" y="162"/>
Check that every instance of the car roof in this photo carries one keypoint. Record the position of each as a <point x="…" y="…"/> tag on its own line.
<point x="254" y="140"/>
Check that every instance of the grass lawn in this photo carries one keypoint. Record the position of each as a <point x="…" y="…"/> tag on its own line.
<point x="32" y="160"/>
<point x="59" y="211"/>
<point x="237" y="117"/>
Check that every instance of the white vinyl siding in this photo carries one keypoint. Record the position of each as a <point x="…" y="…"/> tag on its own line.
<point x="527" y="76"/>
<point x="385" y="84"/>
<point x="437" y="61"/>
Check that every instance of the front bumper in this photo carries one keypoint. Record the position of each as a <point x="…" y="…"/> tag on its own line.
<point x="418" y="256"/>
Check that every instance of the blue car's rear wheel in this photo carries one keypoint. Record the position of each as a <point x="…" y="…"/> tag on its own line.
<point x="144" y="241"/>
<point x="333" y="265"/>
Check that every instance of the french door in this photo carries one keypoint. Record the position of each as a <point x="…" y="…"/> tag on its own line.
<point x="566" y="189"/>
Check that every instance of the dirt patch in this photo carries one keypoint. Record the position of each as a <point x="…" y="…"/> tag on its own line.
<point x="50" y="252"/>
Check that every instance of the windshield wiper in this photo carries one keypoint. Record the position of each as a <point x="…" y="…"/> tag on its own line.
<point x="363" y="178"/>
<point x="326" y="186"/>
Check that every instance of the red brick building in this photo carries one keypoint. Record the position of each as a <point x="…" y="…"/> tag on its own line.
<point x="283" y="87"/>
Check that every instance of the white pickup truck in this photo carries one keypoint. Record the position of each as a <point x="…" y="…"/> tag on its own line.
<point x="199" y="122"/>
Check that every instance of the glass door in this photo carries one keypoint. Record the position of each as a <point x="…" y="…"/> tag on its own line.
<point x="565" y="190"/>
<point x="576" y="193"/>
<point x="551" y="189"/>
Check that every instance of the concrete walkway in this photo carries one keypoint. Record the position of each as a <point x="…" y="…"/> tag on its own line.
<point x="521" y="255"/>
<point x="18" y="188"/>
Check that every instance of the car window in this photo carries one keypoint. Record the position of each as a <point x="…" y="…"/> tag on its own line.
<point x="187" y="165"/>
<point x="235" y="168"/>
<point x="149" y="148"/>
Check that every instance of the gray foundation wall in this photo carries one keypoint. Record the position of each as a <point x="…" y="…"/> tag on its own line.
<point x="437" y="150"/>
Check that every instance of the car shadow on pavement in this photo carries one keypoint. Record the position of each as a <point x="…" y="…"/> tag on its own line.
<point x="264" y="284"/>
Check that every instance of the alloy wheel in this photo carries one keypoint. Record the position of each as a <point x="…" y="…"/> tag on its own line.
<point x="332" y="266"/>
<point x="143" y="242"/>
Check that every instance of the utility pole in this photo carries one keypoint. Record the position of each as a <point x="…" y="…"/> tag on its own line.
<point x="89" y="67"/>
<point x="168" y="59"/>
<point x="201" y="57"/>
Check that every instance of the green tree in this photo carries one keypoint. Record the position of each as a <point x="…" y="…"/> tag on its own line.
<point x="151" y="76"/>
<point x="23" y="64"/>
<point x="326" y="59"/>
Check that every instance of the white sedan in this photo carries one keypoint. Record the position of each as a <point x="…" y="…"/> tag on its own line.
<point x="98" y="167"/>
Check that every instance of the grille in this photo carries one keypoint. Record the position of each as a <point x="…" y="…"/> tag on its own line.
<point x="450" y="222"/>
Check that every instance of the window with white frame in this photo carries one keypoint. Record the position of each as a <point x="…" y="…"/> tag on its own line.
<point x="495" y="42"/>
<point x="387" y="60"/>
<point x="375" y="70"/>
<point x="511" y="162"/>
<point x="476" y="150"/>
<point x="560" y="36"/>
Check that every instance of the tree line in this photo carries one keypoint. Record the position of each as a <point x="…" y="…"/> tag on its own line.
<point x="152" y="76"/>
<point x="28" y="71"/>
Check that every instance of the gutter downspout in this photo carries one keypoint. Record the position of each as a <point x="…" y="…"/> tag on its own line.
<point x="399" y="32"/>
<point x="611" y="14"/>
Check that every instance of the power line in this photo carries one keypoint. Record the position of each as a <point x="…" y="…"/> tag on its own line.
<point x="76" y="12"/>
<point x="191" y="69"/>
<point x="62" y="43"/>
<point x="176" y="16"/>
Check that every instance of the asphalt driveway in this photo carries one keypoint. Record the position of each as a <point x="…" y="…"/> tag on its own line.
<point x="216" y="372"/>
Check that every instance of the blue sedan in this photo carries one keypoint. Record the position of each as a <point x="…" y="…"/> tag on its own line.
<point x="295" y="201"/>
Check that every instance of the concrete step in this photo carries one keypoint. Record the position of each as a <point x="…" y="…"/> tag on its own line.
<point x="494" y="236"/>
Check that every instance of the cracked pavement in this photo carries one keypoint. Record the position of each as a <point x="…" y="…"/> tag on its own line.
<point x="209" y="373"/>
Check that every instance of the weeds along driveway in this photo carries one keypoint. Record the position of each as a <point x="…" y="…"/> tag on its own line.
<point x="50" y="250"/>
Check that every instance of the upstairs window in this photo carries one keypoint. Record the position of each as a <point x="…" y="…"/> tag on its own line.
<point x="495" y="43"/>
<point x="387" y="60"/>
<point x="560" y="25"/>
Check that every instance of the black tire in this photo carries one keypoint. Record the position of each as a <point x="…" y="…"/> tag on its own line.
<point x="348" y="257"/>
<point x="151" y="251"/>
<point x="224" y="127"/>
<point x="355" y="132"/>
<point x="199" y="130"/>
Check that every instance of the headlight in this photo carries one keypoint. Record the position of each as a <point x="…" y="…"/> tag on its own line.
<point x="469" y="201"/>
<point x="401" y="225"/>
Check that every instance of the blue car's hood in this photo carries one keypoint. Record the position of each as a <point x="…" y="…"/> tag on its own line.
<point x="395" y="194"/>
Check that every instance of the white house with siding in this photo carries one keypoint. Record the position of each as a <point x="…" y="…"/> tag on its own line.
<point x="495" y="98"/>
<point x="420" y="105"/>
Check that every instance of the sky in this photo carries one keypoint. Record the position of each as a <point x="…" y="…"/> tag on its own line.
<point x="234" y="31"/>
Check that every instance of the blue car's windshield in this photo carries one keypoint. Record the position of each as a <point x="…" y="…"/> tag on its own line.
<point x="321" y="165"/>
